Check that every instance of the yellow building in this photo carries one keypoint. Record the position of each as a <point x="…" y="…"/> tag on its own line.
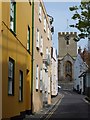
<point x="15" y="58"/>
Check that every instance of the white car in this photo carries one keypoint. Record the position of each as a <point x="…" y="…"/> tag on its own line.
<point x="59" y="86"/>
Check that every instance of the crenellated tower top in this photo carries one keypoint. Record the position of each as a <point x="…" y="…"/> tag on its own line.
<point x="65" y="33"/>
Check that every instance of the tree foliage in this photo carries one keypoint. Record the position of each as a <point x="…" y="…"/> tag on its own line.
<point x="82" y="17"/>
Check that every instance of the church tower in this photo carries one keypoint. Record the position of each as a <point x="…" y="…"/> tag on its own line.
<point x="66" y="44"/>
<point x="67" y="51"/>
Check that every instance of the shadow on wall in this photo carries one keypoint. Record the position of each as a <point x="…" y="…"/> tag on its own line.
<point x="11" y="106"/>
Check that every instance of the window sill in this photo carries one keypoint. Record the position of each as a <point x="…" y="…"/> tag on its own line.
<point x="20" y="101"/>
<point x="10" y="94"/>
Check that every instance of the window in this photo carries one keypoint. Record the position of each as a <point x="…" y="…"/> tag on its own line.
<point x="30" y="1"/>
<point x="37" y="39"/>
<point x="68" y="42"/>
<point x="13" y="15"/>
<point x="40" y="12"/>
<point x="41" y="45"/>
<point x="28" y="39"/>
<point x="41" y="77"/>
<point x="37" y="76"/>
<point x="68" y="67"/>
<point x="20" y="85"/>
<point x="47" y="52"/>
<point x="44" y="23"/>
<point x="11" y="77"/>
<point x="68" y="70"/>
<point x="48" y="84"/>
<point x="48" y="33"/>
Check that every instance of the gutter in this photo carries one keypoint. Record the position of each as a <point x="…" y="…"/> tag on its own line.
<point x="32" y="56"/>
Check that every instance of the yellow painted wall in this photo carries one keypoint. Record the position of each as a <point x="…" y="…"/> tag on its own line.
<point x="15" y="47"/>
<point x="0" y="60"/>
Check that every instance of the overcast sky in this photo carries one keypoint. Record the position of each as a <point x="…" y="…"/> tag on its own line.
<point x="61" y="13"/>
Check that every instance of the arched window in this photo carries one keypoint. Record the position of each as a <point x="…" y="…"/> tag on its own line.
<point x="68" y="67"/>
<point x="68" y="70"/>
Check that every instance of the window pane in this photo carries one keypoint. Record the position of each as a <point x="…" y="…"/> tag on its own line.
<point x="10" y="87"/>
<point x="12" y="15"/>
<point x="40" y="84"/>
<point x="37" y="71"/>
<point x="40" y="12"/>
<point x="11" y="25"/>
<point x="41" y="74"/>
<point x="10" y="69"/>
<point x="28" y="38"/>
<point x="44" y="23"/>
<point x="21" y="86"/>
<point x="20" y="98"/>
<point x="11" y="76"/>
<point x="37" y="38"/>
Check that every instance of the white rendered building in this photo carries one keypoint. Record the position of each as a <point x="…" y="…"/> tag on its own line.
<point x="54" y="80"/>
<point x="80" y="68"/>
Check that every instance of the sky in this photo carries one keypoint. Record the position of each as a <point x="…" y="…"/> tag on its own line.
<point x="62" y="18"/>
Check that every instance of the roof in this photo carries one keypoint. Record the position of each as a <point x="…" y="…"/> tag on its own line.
<point x="67" y="55"/>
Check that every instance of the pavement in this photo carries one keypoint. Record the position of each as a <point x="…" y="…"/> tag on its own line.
<point x="44" y="111"/>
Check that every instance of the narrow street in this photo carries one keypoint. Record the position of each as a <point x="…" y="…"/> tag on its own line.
<point x="71" y="106"/>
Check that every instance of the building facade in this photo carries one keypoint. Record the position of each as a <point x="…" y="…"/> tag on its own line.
<point x="80" y="74"/>
<point x="15" y="63"/>
<point x="86" y="58"/>
<point x="42" y="56"/>
<point x="67" y="51"/>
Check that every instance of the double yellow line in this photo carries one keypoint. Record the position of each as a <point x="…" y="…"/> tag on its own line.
<point x="53" y="110"/>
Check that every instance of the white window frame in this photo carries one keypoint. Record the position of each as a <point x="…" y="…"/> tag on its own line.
<point x="48" y="84"/>
<point x="11" y="77"/>
<point x="37" y="76"/>
<point x="41" y="79"/>
<point x="47" y="52"/>
<point x="28" y="39"/>
<point x="12" y="15"/>
<point x="41" y="45"/>
<point x="37" y="38"/>
<point x="48" y="33"/>
<point x="40" y="12"/>
<point x="44" y="23"/>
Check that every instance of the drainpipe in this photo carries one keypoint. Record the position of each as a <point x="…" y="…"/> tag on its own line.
<point x="32" y="56"/>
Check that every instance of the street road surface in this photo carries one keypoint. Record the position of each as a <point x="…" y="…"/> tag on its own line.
<point x="72" y="106"/>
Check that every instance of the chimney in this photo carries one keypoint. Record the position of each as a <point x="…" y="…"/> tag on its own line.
<point x="79" y="50"/>
<point x="85" y="50"/>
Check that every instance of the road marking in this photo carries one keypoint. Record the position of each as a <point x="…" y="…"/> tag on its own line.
<point x="53" y="110"/>
<point x="86" y="101"/>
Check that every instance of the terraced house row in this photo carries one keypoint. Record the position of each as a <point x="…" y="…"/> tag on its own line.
<point x="25" y="58"/>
